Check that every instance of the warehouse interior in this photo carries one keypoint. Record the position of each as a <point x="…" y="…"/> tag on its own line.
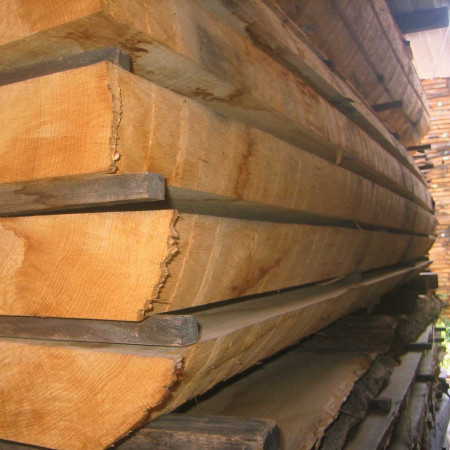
<point x="225" y="224"/>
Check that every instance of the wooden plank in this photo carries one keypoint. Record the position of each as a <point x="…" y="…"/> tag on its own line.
<point x="356" y="333"/>
<point x="375" y="430"/>
<point x="418" y="347"/>
<point x="294" y="112"/>
<point x="409" y="431"/>
<point x="422" y="20"/>
<point x="163" y="330"/>
<point x="418" y="284"/>
<point x="381" y="72"/>
<point x="180" y="432"/>
<point x="358" y="402"/>
<point x="432" y="279"/>
<point x="383" y="404"/>
<point x="112" y="54"/>
<point x="72" y="389"/>
<point x="79" y="191"/>
<point x="198" y="151"/>
<point x="399" y="301"/>
<point x="271" y="29"/>
<point x="125" y="265"/>
<point x="419" y="148"/>
<point x="387" y="106"/>
<point x="91" y="383"/>
<point x="302" y="392"/>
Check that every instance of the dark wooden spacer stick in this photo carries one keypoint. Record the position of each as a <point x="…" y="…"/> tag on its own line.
<point x="383" y="404"/>
<point x="183" y="431"/>
<point x="163" y="330"/>
<point x="80" y="191"/>
<point x="40" y="69"/>
<point x="418" y="347"/>
<point x="387" y="106"/>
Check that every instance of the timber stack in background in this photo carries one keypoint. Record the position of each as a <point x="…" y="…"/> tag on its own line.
<point x="374" y="58"/>
<point x="186" y="189"/>
<point x="432" y="157"/>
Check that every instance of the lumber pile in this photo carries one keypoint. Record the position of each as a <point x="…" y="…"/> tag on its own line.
<point x="373" y="58"/>
<point x="318" y="390"/>
<point x="179" y="200"/>
<point x="432" y="158"/>
<point x="315" y="392"/>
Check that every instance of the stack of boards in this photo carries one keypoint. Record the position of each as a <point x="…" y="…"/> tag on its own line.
<point x="374" y="58"/>
<point x="433" y="158"/>
<point x="277" y="176"/>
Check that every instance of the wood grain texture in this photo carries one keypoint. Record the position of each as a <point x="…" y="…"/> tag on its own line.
<point x="234" y="337"/>
<point x="279" y="320"/>
<point x="376" y="429"/>
<point x="382" y="72"/>
<point x="301" y="392"/>
<point x="269" y="28"/>
<point x="356" y="333"/>
<point x="182" y="432"/>
<point x="123" y="265"/>
<point x="79" y="191"/>
<point x="85" y="406"/>
<point x="194" y="148"/>
<point x="182" y="46"/>
<point x="111" y="54"/>
<point x="101" y="266"/>
<point x="163" y="330"/>
<point x="85" y="139"/>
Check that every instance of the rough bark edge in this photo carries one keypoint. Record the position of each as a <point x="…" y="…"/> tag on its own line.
<point x="116" y="99"/>
<point x="172" y="250"/>
<point x="354" y="410"/>
<point x="178" y="367"/>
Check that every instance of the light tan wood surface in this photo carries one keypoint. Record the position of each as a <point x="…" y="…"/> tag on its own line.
<point x="373" y="58"/>
<point x="301" y="392"/>
<point x="63" y="379"/>
<point x="103" y="119"/>
<point x="182" y="46"/>
<point x="123" y="265"/>
<point x="76" y="398"/>
<point x="268" y="27"/>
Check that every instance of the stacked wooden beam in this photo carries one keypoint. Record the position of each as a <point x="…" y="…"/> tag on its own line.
<point x="434" y="162"/>
<point x="373" y="58"/>
<point x="317" y="391"/>
<point x="271" y="183"/>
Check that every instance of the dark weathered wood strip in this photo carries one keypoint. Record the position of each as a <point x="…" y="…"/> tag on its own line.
<point x="181" y="431"/>
<point x="387" y="106"/>
<point x="113" y="54"/>
<point x="162" y="330"/>
<point x="376" y="428"/>
<point x="355" y="333"/>
<point x="80" y="191"/>
<point x="432" y="279"/>
<point x="420" y="148"/>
